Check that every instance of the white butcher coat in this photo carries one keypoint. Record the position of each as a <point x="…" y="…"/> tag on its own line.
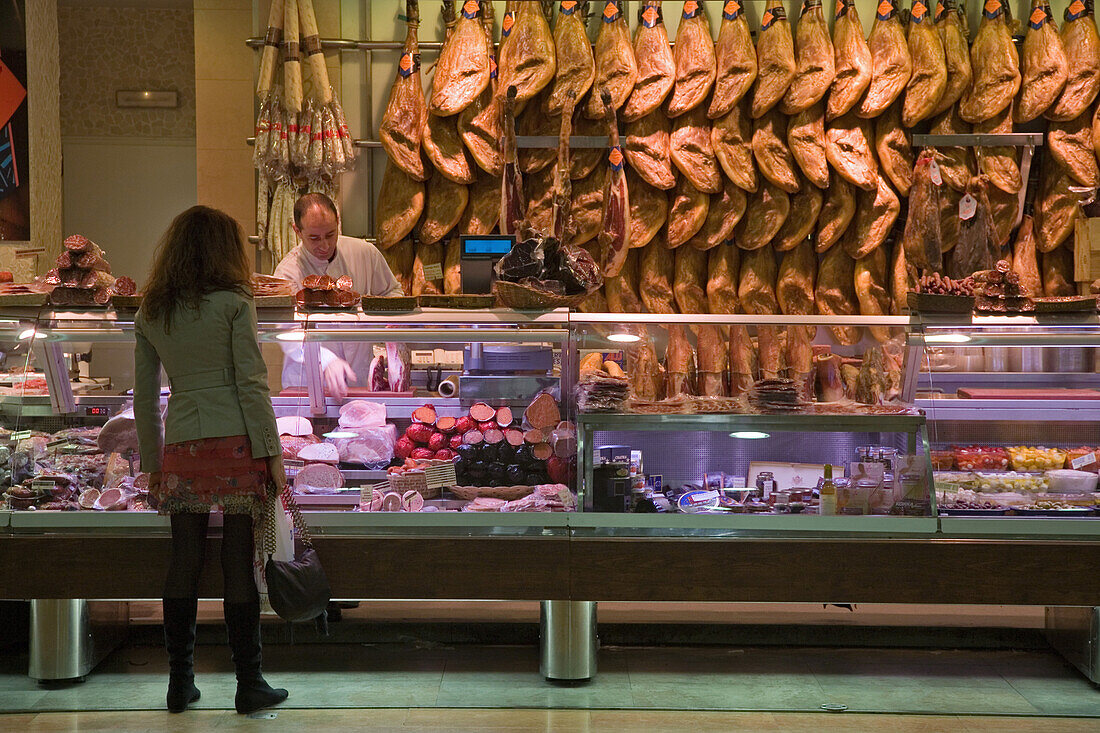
<point x="370" y="275"/>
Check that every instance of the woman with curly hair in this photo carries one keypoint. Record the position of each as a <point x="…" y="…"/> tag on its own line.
<point x="218" y="446"/>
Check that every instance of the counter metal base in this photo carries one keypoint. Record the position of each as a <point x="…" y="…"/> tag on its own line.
<point x="70" y="636"/>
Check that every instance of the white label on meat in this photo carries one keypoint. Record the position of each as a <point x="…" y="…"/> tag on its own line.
<point x="934" y="169"/>
<point x="1086" y="460"/>
<point x="433" y="271"/>
<point x="968" y="207"/>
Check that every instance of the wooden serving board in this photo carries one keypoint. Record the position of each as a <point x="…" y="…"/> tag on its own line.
<point x="980" y="393"/>
<point x="24" y="299"/>
<point x="388" y="304"/>
<point x="465" y="302"/>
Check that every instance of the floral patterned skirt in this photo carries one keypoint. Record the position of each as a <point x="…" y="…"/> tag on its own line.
<point x="200" y="475"/>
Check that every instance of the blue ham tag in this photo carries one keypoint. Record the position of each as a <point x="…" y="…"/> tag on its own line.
<point x="408" y="64"/>
<point x="691" y="9"/>
<point x="771" y="15"/>
<point x="611" y="12"/>
<point x="492" y="66"/>
<point x="615" y="158"/>
<point x="1038" y="18"/>
<point x="842" y="8"/>
<point x="1076" y="10"/>
<point x="886" y="10"/>
<point x="506" y="24"/>
<point x="994" y="9"/>
<point x="732" y="10"/>
<point x="941" y="11"/>
<point x="919" y="11"/>
<point x="470" y="9"/>
<point x="568" y="7"/>
<point x="651" y="16"/>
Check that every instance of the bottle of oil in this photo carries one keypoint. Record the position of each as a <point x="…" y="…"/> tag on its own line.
<point x="827" y="493"/>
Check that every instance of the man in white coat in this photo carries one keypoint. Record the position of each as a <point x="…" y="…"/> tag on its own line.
<point x="322" y="250"/>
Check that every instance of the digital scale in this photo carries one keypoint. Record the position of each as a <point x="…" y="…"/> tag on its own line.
<point x="479" y="254"/>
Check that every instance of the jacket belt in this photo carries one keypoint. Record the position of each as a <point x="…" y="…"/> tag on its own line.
<point x="204" y="380"/>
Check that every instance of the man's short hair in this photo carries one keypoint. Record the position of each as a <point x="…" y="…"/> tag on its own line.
<point x="308" y="201"/>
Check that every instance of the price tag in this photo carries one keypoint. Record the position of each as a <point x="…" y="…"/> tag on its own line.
<point x="968" y="207"/>
<point x="292" y="467"/>
<point x="55" y="443"/>
<point x="366" y="493"/>
<point x="433" y="271"/>
<point x="1086" y="460"/>
<point x="21" y="435"/>
<point x="937" y="177"/>
<point x="43" y="485"/>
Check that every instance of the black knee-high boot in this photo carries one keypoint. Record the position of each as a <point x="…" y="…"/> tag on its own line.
<point x="179" y="640"/>
<point x="242" y="621"/>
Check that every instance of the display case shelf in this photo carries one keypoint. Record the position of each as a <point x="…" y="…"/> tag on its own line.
<point x="1011" y="410"/>
<point x="763" y="423"/>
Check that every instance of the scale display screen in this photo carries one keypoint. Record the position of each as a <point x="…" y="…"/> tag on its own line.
<point x="487" y="247"/>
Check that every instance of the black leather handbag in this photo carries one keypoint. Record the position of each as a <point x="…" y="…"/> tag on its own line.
<point x="298" y="589"/>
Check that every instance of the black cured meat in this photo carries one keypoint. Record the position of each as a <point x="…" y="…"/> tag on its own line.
<point x="977" y="248"/>
<point x="923" y="239"/>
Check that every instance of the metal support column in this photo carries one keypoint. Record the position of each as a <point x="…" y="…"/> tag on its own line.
<point x="70" y="636"/>
<point x="567" y="640"/>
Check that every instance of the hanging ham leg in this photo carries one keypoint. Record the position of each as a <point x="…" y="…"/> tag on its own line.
<point x="511" y="186"/>
<point x="615" y="229"/>
<point x="403" y="122"/>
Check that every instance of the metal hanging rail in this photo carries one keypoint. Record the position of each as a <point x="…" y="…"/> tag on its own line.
<point x="522" y="141"/>
<point x="345" y="44"/>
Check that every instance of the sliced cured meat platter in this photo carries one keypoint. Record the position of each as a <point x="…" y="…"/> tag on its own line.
<point x="1066" y="304"/>
<point x="388" y="304"/>
<point x="1053" y="393"/>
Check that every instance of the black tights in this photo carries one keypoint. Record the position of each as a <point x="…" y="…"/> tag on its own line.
<point x="189" y="555"/>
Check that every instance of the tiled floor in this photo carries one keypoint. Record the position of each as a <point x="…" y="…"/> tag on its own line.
<point x="437" y="720"/>
<point x="635" y="679"/>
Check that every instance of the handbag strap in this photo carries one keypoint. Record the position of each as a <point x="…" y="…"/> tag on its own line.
<point x="299" y="521"/>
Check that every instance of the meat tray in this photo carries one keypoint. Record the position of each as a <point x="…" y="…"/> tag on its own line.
<point x="127" y="301"/>
<point x="982" y="393"/>
<point x="1077" y="512"/>
<point x="471" y="302"/>
<point x="391" y="304"/>
<point x="932" y="303"/>
<point x="973" y="512"/>
<point x="24" y="299"/>
<point x="1066" y="304"/>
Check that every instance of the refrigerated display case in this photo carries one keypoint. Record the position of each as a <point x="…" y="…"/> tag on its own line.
<point x="764" y="553"/>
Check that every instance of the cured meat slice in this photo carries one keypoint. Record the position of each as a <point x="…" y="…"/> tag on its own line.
<point x="999" y="163"/>
<point x="891" y="65"/>
<point x="894" y="148"/>
<point x="1071" y="144"/>
<point x="769" y="147"/>
<point x="403" y="121"/>
<point x="950" y="24"/>
<point x="587" y="209"/>
<point x="1082" y="45"/>
<point x="735" y="58"/>
<point x="995" y="64"/>
<point x="835" y="294"/>
<point x="462" y="72"/>
<point x="977" y="248"/>
<point x="775" y="62"/>
<point x="767" y="210"/>
<point x="512" y="202"/>
<point x="479" y="125"/>
<point x="805" y="207"/>
<point x="400" y="204"/>
<point x="615" y="225"/>
<point x="695" y="62"/>
<point x="446" y="200"/>
<point x="483" y="206"/>
<point x="1058" y="272"/>
<point x="806" y="139"/>
<point x="795" y="285"/>
<point x="655" y="277"/>
<point x="923" y="240"/>
<point x="692" y="152"/>
<point x="732" y="140"/>
<point x="723" y="279"/>
<point x="876" y="212"/>
<point x="527" y="60"/>
<point x="575" y="66"/>
<point x="647" y="150"/>
<point x="852" y="61"/>
<point x="956" y="164"/>
<point x="616" y="67"/>
<point x="871" y="290"/>
<point x="836" y="214"/>
<point x="584" y="160"/>
<point x="656" y="64"/>
<point x="687" y="214"/>
<point x="726" y="209"/>
<point x="929" y="78"/>
<point x="848" y="149"/>
<point x="648" y="210"/>
<point x="815" y="64"/>
<point x="1025" y="259"/>
<point x="1044" y="69"/>
<point x="1057" y="207"/>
